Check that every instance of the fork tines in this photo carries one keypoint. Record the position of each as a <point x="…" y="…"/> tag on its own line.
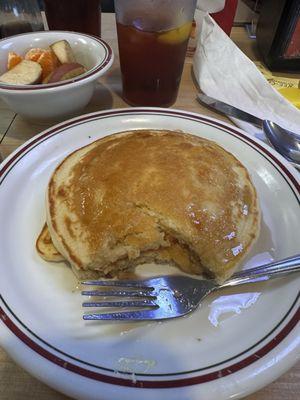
<point x="124" y="315"/>
<point x="134" y="293"/>
<point x="127" y="283"/>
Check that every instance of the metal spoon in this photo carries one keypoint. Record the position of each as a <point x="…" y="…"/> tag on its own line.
<point x="285" y="142"/>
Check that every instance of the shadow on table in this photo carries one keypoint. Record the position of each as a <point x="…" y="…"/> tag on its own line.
<point x="102" y="99"/>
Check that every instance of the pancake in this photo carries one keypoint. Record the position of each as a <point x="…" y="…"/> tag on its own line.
<point x="152" y="196"/>
<point x="46" y="248"/>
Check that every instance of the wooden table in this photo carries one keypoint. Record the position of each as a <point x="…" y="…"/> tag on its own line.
<point x="15" y="383"/>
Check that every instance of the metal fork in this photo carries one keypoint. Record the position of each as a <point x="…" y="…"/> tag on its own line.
<point x="169" y="296"/>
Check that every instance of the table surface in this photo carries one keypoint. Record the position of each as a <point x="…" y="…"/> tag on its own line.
<point x="15" y="383"/>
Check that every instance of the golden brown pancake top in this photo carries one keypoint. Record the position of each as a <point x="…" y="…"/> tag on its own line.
<point x="133" y="188"/>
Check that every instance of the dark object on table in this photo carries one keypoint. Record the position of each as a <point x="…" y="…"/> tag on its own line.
<point x="78" y="15"/>
<point x="254" y="5"/>
<point x="278" y="34"/>
<point x="107" y="6"/>
<point x="19" y="17"/>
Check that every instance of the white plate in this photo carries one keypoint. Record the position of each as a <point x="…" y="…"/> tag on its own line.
<point x="235" y="343"/>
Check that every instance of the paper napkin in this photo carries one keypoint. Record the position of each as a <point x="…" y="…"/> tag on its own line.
<point x="224" y="72"/>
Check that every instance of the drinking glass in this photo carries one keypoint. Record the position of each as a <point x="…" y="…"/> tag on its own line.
<point x="19" y="16"/>
<point x="152" y="38"/>
<point x="76" y="15"/>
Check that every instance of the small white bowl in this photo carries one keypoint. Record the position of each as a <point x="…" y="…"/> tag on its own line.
<point x="61" y="98"/>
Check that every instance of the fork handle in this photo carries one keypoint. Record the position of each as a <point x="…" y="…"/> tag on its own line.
<point x="265" y="272"/>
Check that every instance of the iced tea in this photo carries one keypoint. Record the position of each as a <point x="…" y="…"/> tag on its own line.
<point x="152" y="63"/>
<point x="77" y="15"/>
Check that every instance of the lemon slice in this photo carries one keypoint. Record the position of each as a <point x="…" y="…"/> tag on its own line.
<point x="177" y="35"/>
<point x="292" y="95"/>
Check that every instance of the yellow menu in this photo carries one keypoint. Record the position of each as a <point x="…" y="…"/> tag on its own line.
<point x="287" y="87"/>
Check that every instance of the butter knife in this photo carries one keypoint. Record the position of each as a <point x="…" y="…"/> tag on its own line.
<point x="229" y="110"/>
<point x="285" y="142"/>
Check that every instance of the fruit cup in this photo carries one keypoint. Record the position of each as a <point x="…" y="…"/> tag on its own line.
<point x="64" y="95"/>
<point x="152" y="37"/>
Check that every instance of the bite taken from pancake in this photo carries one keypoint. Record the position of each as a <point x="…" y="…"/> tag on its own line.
<point x="152" y="196"/>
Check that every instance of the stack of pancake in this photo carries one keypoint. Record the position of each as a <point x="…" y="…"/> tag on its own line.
<point x="150" y="196"/>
